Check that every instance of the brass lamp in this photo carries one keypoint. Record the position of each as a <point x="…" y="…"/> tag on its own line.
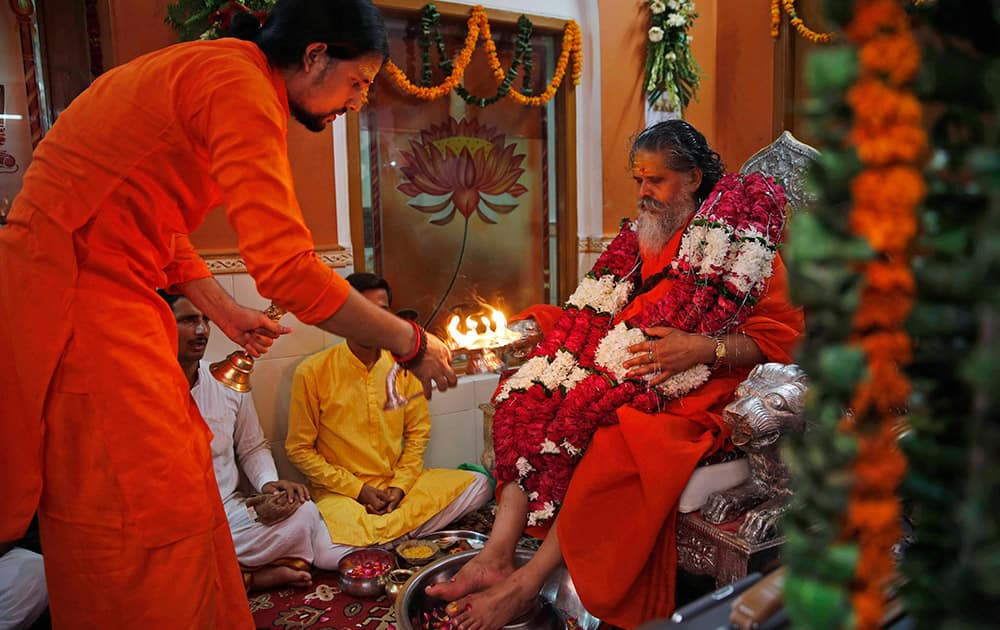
<point x="234" y="371"/>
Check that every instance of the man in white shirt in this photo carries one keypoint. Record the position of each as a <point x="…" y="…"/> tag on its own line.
<point x="269" y="555"/>
<point x="23" y="596"/>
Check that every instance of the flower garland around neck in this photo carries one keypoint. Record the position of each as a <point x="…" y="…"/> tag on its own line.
<point x="574" y="382"/>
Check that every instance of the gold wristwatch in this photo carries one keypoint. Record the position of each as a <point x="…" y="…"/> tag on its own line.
<point x="720" y="353"/>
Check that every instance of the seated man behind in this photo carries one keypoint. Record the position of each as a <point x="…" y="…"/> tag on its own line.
<point x="269" y="555"/>
<point x="23" y="595"/>
<point x="617" y="516"/>
<point x="364" y="463"/>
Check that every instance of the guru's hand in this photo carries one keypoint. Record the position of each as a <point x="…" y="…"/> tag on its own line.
<point x="668" y="352"/>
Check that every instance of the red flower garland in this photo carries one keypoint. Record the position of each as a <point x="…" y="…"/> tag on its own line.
<point x="539" y="434"/>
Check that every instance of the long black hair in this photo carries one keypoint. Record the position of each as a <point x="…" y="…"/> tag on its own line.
<point x="684" y="148"/>
<point x="349" y="28"/>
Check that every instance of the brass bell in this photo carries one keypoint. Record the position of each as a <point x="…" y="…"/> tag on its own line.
<point x="234" y="371"/>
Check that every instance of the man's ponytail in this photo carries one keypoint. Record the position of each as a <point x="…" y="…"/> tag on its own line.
<point x="244" y="26"/>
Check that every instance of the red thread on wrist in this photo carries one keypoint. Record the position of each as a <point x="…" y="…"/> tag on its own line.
<point x="416" y="349"/>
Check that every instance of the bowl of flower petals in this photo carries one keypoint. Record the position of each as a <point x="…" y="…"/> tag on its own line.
<point x="417" y="553"/>
<point x="558" y="606"/>
<point x="363" y="572"/>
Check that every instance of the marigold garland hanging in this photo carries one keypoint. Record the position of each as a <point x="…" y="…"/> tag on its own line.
<point x="210" y="19"/>
<point x="842" y="535"/>
<point x="796" y="22"/>
<point x="479" y="27"/>
<point x="430" y="19"/>
<point x="885" y="199"/>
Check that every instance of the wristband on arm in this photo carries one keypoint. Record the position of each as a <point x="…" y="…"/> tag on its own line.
<point x="409" y="361"/>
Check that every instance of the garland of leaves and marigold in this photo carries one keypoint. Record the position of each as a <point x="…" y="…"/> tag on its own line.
<point x="479" y="27"/>
<point x="209" y="19"/>
<point x="953" y="567"/>
<point x="855" y="280"/>
<point x="430" y="20"/>
<point x="796" y="22"/>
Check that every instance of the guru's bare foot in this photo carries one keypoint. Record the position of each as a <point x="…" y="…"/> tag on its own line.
<point x="496" y="606"/>
<point x="271" y="577"/>
<point x="482" y="572"/>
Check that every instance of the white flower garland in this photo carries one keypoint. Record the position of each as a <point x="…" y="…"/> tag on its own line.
<point x="754" y="261"/>
<point x="686" y="381"/>
<point x="604" y="295"/>
<point x="548" y="446"/>
<point x="613" y="352"/>
<point x="561" y="372"/>
<point x="523" y="467"/>
<point x="540" y="516"/>
<point x="569" y="448"/>
<point x="671" y="76"/>
<point x="741" y="259"/>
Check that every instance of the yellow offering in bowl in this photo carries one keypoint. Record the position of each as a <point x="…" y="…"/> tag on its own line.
<point x="417" y="552"/>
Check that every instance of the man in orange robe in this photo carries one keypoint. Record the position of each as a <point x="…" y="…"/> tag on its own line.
<point x="616" y="527"/>
<point x="99" y="433"/>
<point x="618" y="518"/>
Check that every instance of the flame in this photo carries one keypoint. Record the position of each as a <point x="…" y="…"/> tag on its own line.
<point x="483" y="333"/>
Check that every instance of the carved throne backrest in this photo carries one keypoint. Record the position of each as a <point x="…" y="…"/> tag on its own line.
<point x="787" y="159"/>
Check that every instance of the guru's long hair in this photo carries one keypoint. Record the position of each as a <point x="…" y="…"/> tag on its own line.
<point x="684" y="148"/>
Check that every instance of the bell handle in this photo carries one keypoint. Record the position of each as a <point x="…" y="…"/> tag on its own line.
<point x="274" y="312"/>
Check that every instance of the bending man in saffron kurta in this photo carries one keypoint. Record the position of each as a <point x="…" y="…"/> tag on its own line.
<point x="97" y="428"/>
<point x="270" y="555"/>
<point x="617" y="517"/>
<point x="364" y="463"/>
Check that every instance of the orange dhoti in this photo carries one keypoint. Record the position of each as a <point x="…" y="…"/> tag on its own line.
<point x="617" y="522"/>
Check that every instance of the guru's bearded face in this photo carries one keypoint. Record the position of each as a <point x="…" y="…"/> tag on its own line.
<point x="666" y="199"/>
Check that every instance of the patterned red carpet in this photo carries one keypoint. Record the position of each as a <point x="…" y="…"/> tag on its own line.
<point x="325" y="607"/>
<point x="321" y="606"/>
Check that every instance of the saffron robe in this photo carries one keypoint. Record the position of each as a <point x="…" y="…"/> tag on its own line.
<point x="341" y="438"/>
<point x="619" y="514"/>
<point x="98" y="428"/>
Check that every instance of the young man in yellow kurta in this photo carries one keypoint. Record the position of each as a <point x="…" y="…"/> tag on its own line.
<point x="365" y="464"/>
